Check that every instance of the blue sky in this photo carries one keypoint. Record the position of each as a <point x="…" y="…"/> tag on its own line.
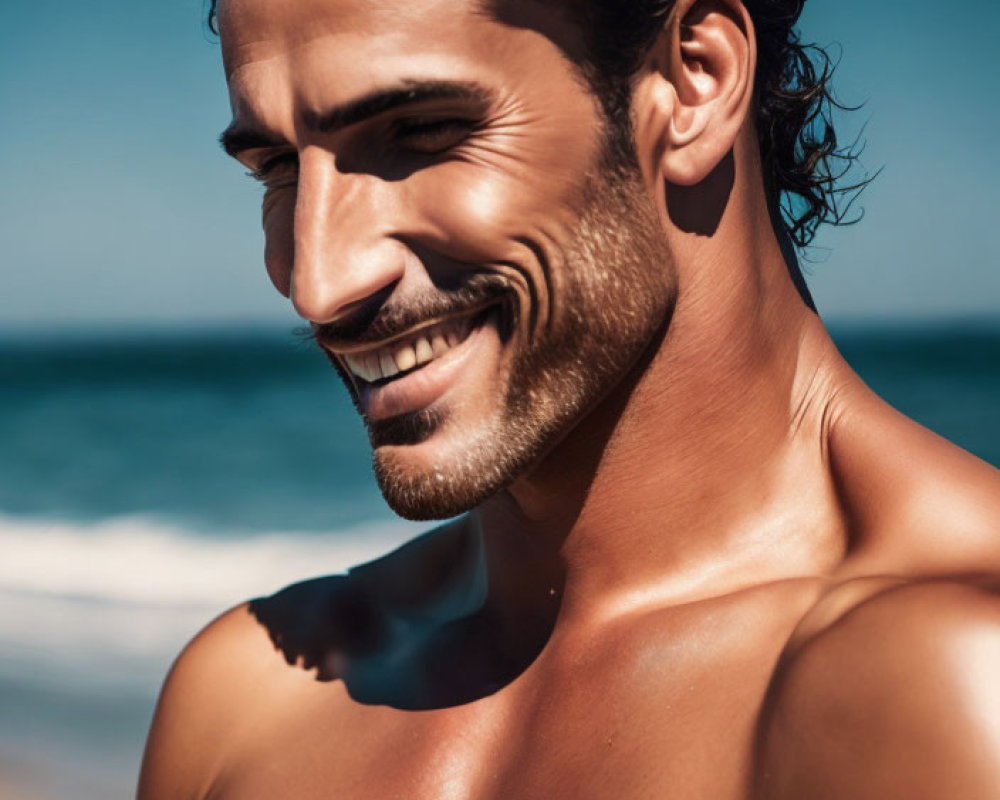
<point x="117" y="208"/>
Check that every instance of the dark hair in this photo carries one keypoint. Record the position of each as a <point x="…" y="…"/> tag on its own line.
<point x="803" y="162"/>
<point x="804" y="165"/>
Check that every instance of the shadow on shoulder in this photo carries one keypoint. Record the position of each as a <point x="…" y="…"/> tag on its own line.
<point x="409" y="630"/>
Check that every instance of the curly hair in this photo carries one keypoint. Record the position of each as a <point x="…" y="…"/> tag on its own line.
<point x="804" y="164"/>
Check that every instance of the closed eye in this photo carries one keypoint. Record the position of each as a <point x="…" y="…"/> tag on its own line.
<point x="431" y="135"/>
<point x="278" y="169"/>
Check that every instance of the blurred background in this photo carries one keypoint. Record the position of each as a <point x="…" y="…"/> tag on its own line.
<point x="169" y="447"/>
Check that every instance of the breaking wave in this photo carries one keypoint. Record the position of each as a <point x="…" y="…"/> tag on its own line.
<point x="137" y="560"/>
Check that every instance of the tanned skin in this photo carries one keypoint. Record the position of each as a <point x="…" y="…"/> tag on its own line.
<point x="736" y="573"/>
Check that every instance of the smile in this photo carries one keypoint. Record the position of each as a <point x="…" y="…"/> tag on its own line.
<point x="407" y="353"/>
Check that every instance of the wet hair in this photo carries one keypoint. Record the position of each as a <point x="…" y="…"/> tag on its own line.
<point x="804" y="164"/>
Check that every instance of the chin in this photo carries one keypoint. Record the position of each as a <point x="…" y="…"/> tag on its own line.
<point x="418" y="487"/>
<point x="430" y="470"/>
<point x="453" y="464"/>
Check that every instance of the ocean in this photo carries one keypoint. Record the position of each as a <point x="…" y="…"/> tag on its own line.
<point x="149" y="482"/>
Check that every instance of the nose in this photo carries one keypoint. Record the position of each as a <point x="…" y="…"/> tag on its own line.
<point x="343" y="253"/>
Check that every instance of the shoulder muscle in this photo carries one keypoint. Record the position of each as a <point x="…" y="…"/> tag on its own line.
<point x="900" y="697"/>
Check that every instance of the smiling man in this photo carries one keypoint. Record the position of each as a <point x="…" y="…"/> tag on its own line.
<point x="548" y="246"/>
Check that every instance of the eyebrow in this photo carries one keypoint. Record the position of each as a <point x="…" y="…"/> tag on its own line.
<point x="240" y="136"/>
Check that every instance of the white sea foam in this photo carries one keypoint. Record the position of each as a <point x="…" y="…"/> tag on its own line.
<point x="136" y="560"/>
<point x="101" y="609"/>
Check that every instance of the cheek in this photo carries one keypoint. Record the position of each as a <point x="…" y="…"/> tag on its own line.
<point x="514" y="225"/>
<point x="485" y="216"/>
<point x="278" y="217"/>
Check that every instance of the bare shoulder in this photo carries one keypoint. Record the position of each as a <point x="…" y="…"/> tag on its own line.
<point x="915" y="503"/>
<point x="207" y="696"/>
<point x="265" y="662"/>
<point x="239" y="678"/>
<point x="194" y="707"/>
<point x="898" y="696"/>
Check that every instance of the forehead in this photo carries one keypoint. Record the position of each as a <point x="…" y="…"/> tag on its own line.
<point x="253" y="30"/>
<point x="373" y="36"/>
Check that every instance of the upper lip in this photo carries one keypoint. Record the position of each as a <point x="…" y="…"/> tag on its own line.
<point x="355" y="348"/>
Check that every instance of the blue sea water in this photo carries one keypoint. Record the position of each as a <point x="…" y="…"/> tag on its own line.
<point x="217" y="433"/>
<point x="148" y="483"/>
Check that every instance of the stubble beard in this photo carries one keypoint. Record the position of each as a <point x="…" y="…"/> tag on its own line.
<point x="617" y="290"/>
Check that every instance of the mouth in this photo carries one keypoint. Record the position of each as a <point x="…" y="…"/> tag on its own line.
<point x="409" y="352"/>
<point x="410" y="371"/>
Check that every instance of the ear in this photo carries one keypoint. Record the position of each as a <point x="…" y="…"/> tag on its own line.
<point x="696" y="89"/>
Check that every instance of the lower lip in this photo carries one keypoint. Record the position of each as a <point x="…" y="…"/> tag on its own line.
<point x="422" y="387"/>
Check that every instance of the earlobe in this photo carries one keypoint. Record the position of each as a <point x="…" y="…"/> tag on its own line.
<point x="702" y="87"/>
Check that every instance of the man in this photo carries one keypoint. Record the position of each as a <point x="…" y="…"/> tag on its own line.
<point x="541" y="241"/>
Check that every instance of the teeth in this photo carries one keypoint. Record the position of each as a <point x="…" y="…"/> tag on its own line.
<point x="355" y="365"/>
<point x="373" y="370"/>
<point x="388" y="366"/>
<point x="402" y="356"/>
<point x="424" y="351"/>
<point x="438" y="345"/>
<point x="405" y="357"/>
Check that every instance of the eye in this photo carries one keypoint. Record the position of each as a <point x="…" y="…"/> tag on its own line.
<point x="432" y="135"/>
<point x="277" y="170"/>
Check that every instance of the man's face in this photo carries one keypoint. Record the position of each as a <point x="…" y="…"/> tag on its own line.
<point x="439" y="205"/>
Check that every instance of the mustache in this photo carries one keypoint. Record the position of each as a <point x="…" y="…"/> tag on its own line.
<point x="381" y="319"/>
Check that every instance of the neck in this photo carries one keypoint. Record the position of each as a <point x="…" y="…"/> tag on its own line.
<point x="703" y="472"/>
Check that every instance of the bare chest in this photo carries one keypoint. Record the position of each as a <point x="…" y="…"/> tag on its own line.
<point x="641" y="717"/>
